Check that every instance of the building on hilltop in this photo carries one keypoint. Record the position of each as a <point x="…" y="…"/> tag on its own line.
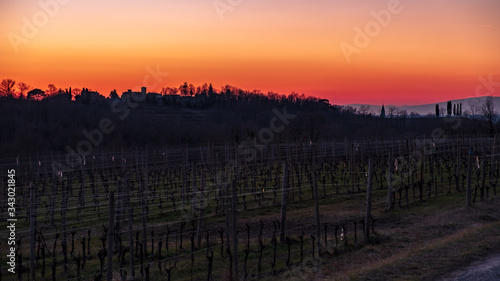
<point x="143" y="95"/>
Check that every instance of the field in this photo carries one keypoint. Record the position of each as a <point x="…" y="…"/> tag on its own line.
<point x="227" y="211"/>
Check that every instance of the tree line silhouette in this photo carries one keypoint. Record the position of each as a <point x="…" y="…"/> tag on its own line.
<point x="36" y="120"/>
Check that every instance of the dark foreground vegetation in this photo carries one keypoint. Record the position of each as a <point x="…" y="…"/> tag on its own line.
<point x="289" y="211"/>
<point x="57" y="123"/>
<point x="239" y="185"/>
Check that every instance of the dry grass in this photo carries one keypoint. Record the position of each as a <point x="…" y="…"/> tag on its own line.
<point x="426" y="242"/>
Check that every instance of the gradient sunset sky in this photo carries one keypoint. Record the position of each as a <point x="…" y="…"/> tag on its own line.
<point x="432" y="51"/>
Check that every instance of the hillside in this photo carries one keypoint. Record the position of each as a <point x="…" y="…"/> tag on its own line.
<point x="425" y="109"/>
<point x="56" y="123"/>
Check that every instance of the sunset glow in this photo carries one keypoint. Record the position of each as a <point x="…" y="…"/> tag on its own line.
<point x="430" y="51"/>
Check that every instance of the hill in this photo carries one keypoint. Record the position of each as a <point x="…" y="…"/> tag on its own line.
<point x="469" y="106"/>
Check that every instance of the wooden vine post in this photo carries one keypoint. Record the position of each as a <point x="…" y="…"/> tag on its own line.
<point x="469" y="178"/>
<point x="284" y="194"/>
<point x="316" y="201"/>
<point x="111" y="227"/>
<point x="368" y="201"/>
<point x="235" y="230"/>
<point x="32" y="230"/>
<point x="130" y="221"/>
<point x="390" y="201"/>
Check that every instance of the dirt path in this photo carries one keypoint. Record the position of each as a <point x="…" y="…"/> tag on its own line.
<point x="438" y="241"/>
<point x="485" y="270"/>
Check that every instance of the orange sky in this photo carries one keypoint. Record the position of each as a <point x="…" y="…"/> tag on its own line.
<point x="429" y="50"/>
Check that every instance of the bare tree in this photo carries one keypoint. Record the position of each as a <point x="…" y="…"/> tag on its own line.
<point x="474" y="107"/>
<point x="184" y="89"/>
<point x="23" y="88"/>
<point x="7" y="88"/>
<point x="76" y="92"/>
<point x="113" y="94"/>
<point x="51" y="90"/>
<point x="35" y="94"/>
<point x="349" y="109"/>
<point x="392" y="111"/>
<point x="364" y="109"/>
<point x="191" y="89"/>
<point x="442" y="111"/>
<point x="169" y="91"/>
<point x="403" y="113"/>
<point x="489" y="114"/>
<point x="413" y="114"/>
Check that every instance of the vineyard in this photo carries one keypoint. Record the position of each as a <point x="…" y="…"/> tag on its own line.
<point x="225" y="212"/>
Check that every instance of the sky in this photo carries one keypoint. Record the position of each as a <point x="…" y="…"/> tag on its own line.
<point x="347" y="51"/>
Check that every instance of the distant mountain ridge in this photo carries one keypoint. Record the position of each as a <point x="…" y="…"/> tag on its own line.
<point x="430" y="108"/>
